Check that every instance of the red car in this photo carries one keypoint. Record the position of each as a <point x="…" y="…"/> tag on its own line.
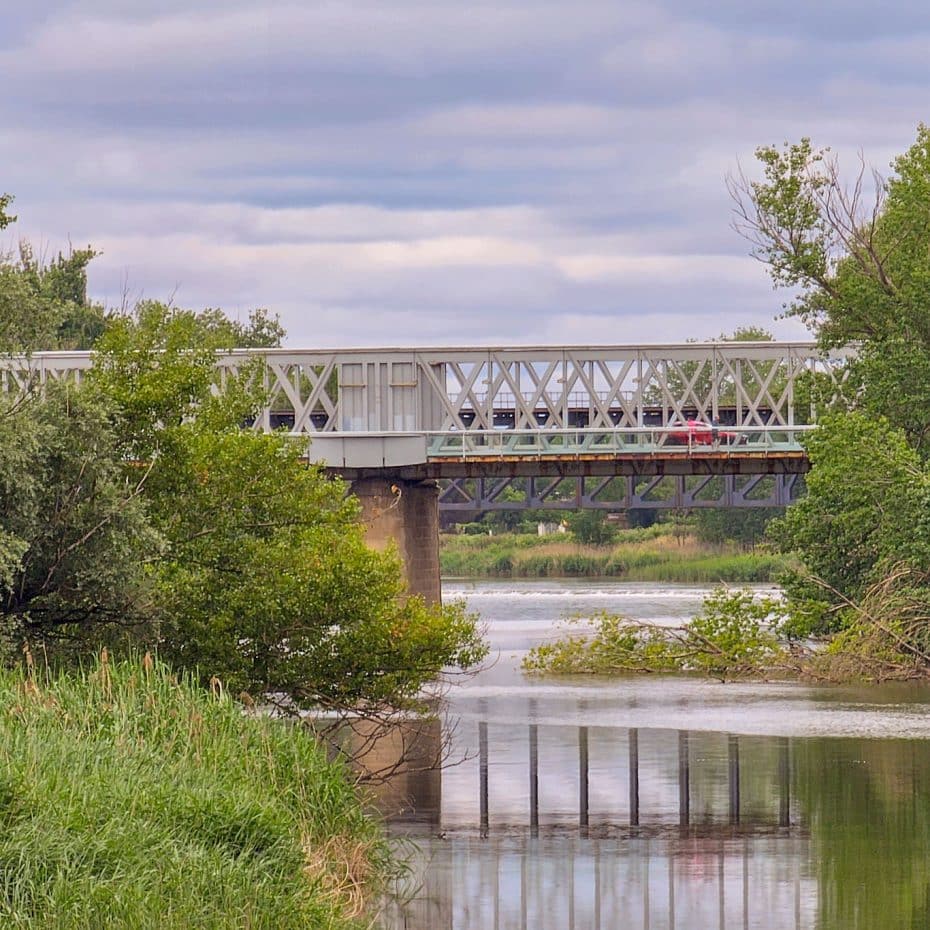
<point x="700" y="433"/>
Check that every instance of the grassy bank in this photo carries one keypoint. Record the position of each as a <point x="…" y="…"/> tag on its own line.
<point x="128" y="799"/>
<point x="658" y="553"/>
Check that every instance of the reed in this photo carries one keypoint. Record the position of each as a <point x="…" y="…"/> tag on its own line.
<point x="639" y="555"/>
<point x="132" y="799"/>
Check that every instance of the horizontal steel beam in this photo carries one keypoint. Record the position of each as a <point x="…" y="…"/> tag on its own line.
<point x="469" y="498"/>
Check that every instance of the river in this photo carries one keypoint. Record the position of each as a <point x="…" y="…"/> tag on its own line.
<point x="660" y="802"/>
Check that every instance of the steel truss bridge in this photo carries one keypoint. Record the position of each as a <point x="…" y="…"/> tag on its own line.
<point x="560" y="427"/>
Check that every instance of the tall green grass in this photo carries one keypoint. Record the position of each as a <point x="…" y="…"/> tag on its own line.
<point x="639" y="555"/>
<point x="129" y="799"/>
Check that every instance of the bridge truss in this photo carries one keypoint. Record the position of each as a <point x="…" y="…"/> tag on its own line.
<point x="598" y="416"/>
<point x="743" y="384"/>
<point x="471" y="497"/>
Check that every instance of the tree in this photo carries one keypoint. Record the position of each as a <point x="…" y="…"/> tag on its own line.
<point x="265" y="580"/>
<point x="74" y="537"/>
<point x="5" y="217"/>
<point x="857" y="257"/>
<point x="262" y="331"/>
<point x="44" y="305"/>
<point x="269" y="584"/>
<point x="694" y="380"/>
<point x="866" y="510"/>
<point x="743" y="525"/>
<point x="591" y="527"/>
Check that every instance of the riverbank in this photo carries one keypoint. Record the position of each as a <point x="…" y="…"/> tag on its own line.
<point x="657" y="553"/>
<point x="130" y="799"/>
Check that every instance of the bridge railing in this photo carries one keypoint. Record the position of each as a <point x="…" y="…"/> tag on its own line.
<point x="618" y="441"/>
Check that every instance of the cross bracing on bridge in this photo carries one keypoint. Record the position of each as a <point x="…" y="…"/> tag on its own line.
<point x="473" y="496"/>
<point x="742" y="384"/>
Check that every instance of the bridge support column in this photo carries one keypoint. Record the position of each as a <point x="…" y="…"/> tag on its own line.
<point x="407" y="513"/>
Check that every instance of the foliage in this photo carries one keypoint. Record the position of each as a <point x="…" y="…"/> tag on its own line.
<point x="132" y="798"/>
<point x="859" y="264"/>
<point x="5" y="216"/>
<point x="43" y="304"/>
<point x="865" y="509"/>
<point x="733" y="636"/>
<point x="73" y="521"/>
<point x="617" y="645"/>
<point x="743" y="525"/>
<point x="265" y="580"/>
<point x="270" y="585"/>
<point x="590" y="527"/>
<point x="261" y="331"/>
<point x="697" y="378"/>
<point x="885" y="632"/>
<point x="857" y="256"/>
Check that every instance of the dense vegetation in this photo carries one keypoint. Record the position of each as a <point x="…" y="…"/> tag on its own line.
<point x="672" y="552"/>
<point x="136" y="511"/>
<point x="132" y="798"/>
<point x="860" y="270"/>
<point x="733" y="636"/>
<point x="139" y="511"/>
<point x="860" y="537"/>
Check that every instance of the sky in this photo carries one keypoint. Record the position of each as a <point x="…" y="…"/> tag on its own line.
<point x="438" y="172"/>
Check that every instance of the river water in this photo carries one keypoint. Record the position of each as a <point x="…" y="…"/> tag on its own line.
<point x="663" y="802"/>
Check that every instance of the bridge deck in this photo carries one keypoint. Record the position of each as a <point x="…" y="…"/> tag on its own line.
<point x="589" y="466"/>
<point x="566" y="453"/>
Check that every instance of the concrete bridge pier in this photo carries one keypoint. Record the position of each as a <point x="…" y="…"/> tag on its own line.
<point x="407" y="514"/>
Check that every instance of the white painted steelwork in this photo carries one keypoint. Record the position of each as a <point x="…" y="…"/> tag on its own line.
<point x="540" y="390"/>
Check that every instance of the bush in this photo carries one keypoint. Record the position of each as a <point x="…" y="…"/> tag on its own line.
<point x="591" y="528"/>
<point x="735" y="635"/>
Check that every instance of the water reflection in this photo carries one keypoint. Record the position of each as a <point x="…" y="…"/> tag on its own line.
<point x="598" y="778"/>
<point x="653" y="802"/>
<point x="640" y="881"/>
<point x="663" y="829"/>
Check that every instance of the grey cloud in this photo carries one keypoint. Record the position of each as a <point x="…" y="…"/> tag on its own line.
<point x="426" y="170"/>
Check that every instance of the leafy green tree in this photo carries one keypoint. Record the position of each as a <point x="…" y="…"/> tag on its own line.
<point x="261" y="331"/>
<point x="700" y="376"/>
<point x="44" y="305"/>
<point x="74" y="536"/>
<point x="270" y="586"/>
<point x="265" y="581"/>
<point x="744" y="526"/>
<point x="867" y="508"/>
<point x="858" y="264"/>
<point x="857" y="256"/>
<point x="591" y="527"/>
<point x="5" y="217"/>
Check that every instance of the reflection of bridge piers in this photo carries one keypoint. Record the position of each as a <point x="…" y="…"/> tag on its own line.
<point x="593" y="827"/>
<point x="719" y="813"/>
<point x="652" y="882"/>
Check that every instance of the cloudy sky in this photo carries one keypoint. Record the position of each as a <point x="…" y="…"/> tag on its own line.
<point x="404" y="172"/>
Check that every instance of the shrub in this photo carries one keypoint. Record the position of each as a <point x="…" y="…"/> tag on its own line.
<point x="734" y="635"/>
<point x="591" y="528"/>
